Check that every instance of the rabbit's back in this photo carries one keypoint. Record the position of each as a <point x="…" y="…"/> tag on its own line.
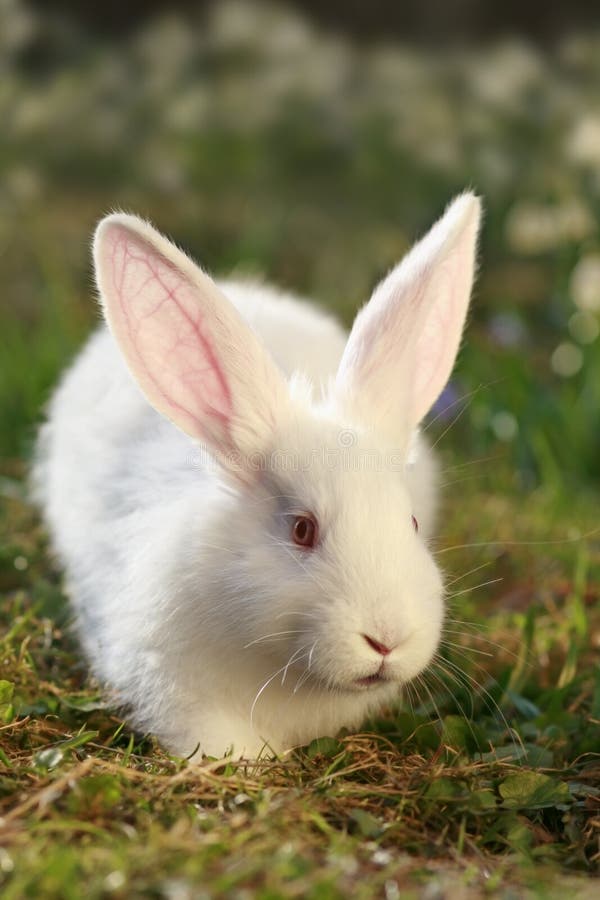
<point x="299" y="336"/>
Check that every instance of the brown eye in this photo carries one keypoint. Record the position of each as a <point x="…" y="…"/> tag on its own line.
<point x="415" y="523"/>
<point x="304" y="531"/>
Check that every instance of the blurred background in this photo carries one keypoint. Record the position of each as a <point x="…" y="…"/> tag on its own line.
<point x="312" y="143"/>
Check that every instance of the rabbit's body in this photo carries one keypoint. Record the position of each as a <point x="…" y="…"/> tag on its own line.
<point x="191" y="601"/>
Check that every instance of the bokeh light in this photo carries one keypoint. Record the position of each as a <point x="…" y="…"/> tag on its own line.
<point x="268" y="143"/>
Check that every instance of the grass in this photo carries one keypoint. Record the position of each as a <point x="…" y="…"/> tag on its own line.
<point x="486" y="780"/>
<point x="487" y="777"/>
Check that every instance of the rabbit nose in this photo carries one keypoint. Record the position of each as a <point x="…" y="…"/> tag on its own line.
<point x="377" y="646"/>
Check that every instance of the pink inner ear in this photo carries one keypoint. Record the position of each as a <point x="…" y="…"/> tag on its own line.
<point x="439" y="340"/>
<point x="156" y="314"/>
<point x="403" y="344"/>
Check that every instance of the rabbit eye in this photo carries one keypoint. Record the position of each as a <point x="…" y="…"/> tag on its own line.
<point x="415" y="523"/>
<point x="304" y="531"/>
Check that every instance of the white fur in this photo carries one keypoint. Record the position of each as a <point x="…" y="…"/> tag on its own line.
<point x="192" y="603"/>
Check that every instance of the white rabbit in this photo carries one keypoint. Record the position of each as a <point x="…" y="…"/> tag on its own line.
<point x="239" y="495"/>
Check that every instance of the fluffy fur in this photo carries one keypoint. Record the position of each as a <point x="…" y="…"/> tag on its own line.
<point x="179" y="448"/>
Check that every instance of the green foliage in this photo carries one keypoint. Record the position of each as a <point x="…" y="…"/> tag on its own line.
<point x="316" y="165"/>
<point x="486" y="777"/>
<point x="533" y="790"/>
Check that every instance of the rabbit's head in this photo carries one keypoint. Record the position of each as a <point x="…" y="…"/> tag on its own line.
<point x="322" y="568"/>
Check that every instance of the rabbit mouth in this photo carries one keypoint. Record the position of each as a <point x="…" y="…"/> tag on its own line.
<point x="371" y="680"/>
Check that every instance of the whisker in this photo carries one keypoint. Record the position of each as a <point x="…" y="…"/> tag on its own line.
<point x="306" y="674"/>
<point x="472" y="462"/>
<point x="297" y="612"/>
<point x="494" y="644"/>
<point x="489" y="701"/>
<point x="408" y="693"/>
<point x="302" y="680"/>
<point x="260" y="691"/>
<point x="451" y="425"/>
<point x="421" y="681"/>
<point x="275" y="634"/>
<point x="265" y="686"/>
<point x="475" y="587"/>
<point x="445" y="484"/>
<point x="573" y="540"/>
<point x="468" y="397"/>
<point x="295" y="657"/>
<point x="468" y="649"/>
<point x="467" y="719"/>
<point x="466" y="624"/>
<point x="470" y="572"/>
<point x="470" y="681"/>
<point x="312" y="650"/>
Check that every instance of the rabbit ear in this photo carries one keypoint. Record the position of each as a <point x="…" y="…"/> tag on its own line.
<point x="404" y="342"/>
<point x="194" y="358"/>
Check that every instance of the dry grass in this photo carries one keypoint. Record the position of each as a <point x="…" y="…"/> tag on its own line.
<point x="461" y="796"/>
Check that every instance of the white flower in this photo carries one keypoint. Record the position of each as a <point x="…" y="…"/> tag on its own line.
<point x="584" y="285"/>
<point x="567" y="359"/>
<point x="537" y="228"/>
<point x="583" y="143"/>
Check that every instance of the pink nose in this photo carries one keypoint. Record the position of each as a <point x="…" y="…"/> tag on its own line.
<point x="377" y="646"/>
